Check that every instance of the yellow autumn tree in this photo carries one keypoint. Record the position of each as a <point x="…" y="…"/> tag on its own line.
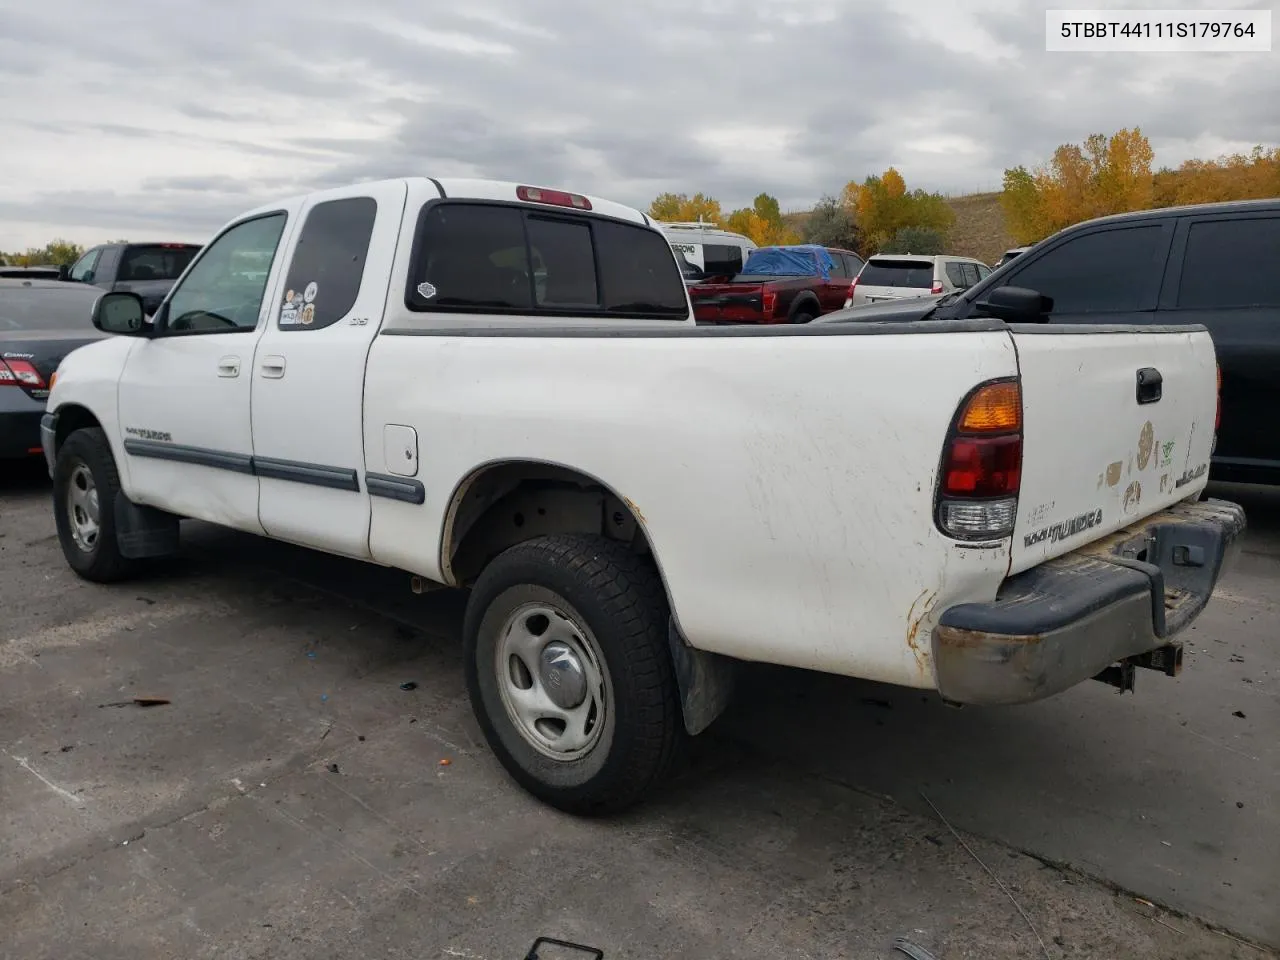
<point x="680" y="208"/>
<point x="1100" y="176"/>
<point x="1250" y="176"/>
<point x="883" y="208"/>
<point x="762" y="222"/>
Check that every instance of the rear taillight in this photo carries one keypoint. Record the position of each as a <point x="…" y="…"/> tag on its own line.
<point x="556" y="198"/>
<point x="937" y="287"/>
<point x="982" y="464"/>
<point x="768" y="302"/>
<point x="20" y="373"/>
<point x="848" y="301"/>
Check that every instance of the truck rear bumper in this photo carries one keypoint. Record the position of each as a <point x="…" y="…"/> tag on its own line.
<point x="1070" y="618"/>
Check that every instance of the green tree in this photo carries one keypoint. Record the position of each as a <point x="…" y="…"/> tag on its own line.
<point x="922" y="240"/>
<point x="767" y="208"/>
<point x="63" y="253"/>
<point x="833" y="224"/>
<point x="1020" y="202"/>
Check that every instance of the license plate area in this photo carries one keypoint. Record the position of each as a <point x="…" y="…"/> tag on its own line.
<point x="1183" y="551"/>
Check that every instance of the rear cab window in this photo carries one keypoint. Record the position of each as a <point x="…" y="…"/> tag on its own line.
<point x="896" y="273"/>
<point x="721" y="260"/>
<point x="155" y="261"/>
<point x="473" y="257"/>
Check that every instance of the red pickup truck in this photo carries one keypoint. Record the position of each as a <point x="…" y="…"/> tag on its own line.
<point x="790" y="284"/>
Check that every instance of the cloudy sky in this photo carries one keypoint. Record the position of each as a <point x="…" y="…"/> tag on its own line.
<point x="160" y="119"/>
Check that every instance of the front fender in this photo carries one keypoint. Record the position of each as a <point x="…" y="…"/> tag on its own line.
<point x="85" y="393"/>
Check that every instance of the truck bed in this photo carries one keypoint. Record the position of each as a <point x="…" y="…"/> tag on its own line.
<point x="784" y="475"/>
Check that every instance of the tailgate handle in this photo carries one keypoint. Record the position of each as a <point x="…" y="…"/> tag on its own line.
<point x="1150" y="385"/>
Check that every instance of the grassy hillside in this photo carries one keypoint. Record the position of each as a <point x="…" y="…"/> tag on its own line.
<point x="979" y="229"/>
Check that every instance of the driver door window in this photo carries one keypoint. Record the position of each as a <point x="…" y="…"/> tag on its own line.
<point x="82" y="272"/>
<point x="223" y="291"/>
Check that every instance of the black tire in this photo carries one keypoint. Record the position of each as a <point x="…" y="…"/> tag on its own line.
<point x="618" y="597"/>
<point x="802" y="316"/>
<point x="101" y="561"/>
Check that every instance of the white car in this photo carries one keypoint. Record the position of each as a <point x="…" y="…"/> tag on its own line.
<point x="715" y="253"/>
<point x="995" y="511"/>
<point x="888" y="276"/>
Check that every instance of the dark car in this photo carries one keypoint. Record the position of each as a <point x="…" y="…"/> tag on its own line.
<point x="43" y="272"/>
<point x="1210" y="264"/>
<point x="147" y="269"/>
<point x="41" y="321"/>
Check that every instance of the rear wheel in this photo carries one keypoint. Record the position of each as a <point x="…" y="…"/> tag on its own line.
<point x="569" y="672"/>
<point x="802" y="317"/>
<point x="85" y="487"/>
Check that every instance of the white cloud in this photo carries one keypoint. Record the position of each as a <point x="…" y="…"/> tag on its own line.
<point x="163" y="118"/>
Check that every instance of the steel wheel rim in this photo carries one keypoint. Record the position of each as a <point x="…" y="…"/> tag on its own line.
<point x="537" y="644"/>
<point x="83" y="511"/>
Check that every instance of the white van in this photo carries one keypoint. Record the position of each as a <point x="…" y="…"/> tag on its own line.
<point x="711" y="251"/>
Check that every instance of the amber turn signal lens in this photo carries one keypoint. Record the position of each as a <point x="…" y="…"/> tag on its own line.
<point x="997" y="407"/>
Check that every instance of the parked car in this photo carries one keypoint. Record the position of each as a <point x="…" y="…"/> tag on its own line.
<point x="894" y="276"/>
<point x="41" y="321"/>
<point x="714" y="253"/>
<point x="147" y="269"/>
<point x="791" y="284"/>
<point x="638" y="503"/>
<point x="1011" y="254"/>
<point x="1209" y="264"/>
<point x="44" y="272"/>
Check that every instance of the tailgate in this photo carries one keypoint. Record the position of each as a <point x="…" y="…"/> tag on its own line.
<point x="1096" y="455"/>
<point x="727" y="301"/>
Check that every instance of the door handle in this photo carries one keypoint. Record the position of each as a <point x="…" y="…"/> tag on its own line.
<point x="229" y="367"/>
<point x="1150" y="385"/>
<point x="272" y="367"/>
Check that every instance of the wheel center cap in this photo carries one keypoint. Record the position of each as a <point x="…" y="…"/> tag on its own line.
<point x="562" y="675"/>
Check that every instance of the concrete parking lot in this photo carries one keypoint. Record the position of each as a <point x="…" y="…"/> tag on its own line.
<point x="292" y="800"/>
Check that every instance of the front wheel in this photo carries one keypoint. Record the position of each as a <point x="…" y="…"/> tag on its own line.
<point x="85" y="487"/>
<point x="569" y="671"/>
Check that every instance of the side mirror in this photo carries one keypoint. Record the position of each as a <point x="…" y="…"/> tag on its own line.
<point x="121" y="313"/>
<point x="1017" y="305"/>
<point x="63" y="271"/>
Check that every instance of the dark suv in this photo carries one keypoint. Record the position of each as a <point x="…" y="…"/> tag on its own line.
<point x="1212" y="264"/>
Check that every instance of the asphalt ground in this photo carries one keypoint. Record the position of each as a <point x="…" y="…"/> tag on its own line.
<point x="292" y="800"/>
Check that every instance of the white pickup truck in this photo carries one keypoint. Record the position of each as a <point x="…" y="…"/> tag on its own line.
<point x="501" y="387"/>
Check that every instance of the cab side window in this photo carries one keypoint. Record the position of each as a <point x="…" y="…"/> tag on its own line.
<point x="328" y="264"/>
<point x="223" y="290"/>
<point x="1106" y="271"/>
<point x="1231" y="263"/>
<point x="83" y="270"/>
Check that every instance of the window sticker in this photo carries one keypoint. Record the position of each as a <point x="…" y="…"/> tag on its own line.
<point x="426" y="290"/>
<point x="289" y="310"/>
<point x="309" y="295"/>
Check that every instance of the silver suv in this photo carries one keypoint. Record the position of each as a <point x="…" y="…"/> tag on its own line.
<point x="891" y="276"/>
